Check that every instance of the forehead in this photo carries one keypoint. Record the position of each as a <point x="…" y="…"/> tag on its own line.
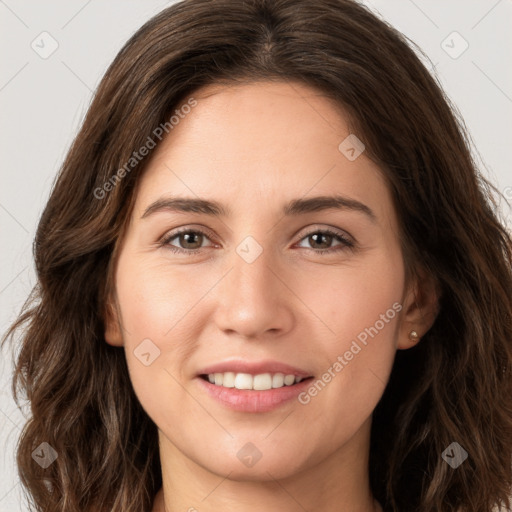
<point x="262" y="143"/>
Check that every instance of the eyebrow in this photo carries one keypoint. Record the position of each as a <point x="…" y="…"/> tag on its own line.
<point x="294" y="207"/>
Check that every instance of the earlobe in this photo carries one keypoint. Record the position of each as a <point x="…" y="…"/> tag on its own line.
<point x="113" y="334"/>
<point x="420" y="310"/>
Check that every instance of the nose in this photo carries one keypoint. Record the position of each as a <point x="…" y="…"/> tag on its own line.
<point x="254" y="300"/>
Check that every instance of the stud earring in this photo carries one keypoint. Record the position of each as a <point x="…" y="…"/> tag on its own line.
<point x="413" y="336"/>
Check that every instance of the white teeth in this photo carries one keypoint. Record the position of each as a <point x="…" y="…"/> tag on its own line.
<point x="260" y="382"/>
<point x="289" y="380"/>
<point x="228" y="380"/>
<point x="243" y="381"/>
<point x="278" y="380"/>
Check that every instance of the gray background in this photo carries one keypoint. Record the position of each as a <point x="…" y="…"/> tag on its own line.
<point x="43" y="101"/>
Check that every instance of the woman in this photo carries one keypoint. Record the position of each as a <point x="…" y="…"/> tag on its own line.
<point x="337" y="337"/>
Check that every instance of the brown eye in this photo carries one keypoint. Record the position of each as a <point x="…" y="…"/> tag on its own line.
<point x="321" y="241"/>
<point x="190" y="240"/>
<point x="185" y="241"/>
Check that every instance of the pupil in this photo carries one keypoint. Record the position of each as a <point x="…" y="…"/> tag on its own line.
<point x="316" y="235"/>
<point x="187" y="237"/>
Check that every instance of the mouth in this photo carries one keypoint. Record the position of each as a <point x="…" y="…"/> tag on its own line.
<point x="259" y="382"/>
<point x="248" y="393"/>
<point x="253" y="386"/>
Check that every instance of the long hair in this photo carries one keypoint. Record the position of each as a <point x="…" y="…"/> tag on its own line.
<point x="454" y="386"/>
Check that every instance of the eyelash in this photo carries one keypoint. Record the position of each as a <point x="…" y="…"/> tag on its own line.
<point x="346" y="243"/>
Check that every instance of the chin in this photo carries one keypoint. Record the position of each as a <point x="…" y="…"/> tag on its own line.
<point x="275" y="466"/>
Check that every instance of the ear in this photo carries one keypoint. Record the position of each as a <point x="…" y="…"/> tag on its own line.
<point x="420" y="309"/>
<point x="113" y="331"/>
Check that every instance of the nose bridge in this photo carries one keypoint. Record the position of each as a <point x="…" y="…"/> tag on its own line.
<point x="253" y="299"/>
<point x="253" y="273"/>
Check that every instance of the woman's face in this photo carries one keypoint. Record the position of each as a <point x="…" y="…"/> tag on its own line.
<point x="258" y="288"/>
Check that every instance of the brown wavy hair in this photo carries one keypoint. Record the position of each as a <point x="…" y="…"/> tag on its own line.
<point x="454" y="386"/>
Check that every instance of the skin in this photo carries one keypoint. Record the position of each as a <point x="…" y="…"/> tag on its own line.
<point x="253" y="148"/>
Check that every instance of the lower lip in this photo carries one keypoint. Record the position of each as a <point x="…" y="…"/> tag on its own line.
<point x="248" y="400"/>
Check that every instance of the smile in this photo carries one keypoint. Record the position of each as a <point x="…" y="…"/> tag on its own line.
<point x="260" y="382"/>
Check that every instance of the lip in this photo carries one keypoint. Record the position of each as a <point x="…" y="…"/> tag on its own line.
<point x="254" y="368"/>
<point x="247" y="400"/>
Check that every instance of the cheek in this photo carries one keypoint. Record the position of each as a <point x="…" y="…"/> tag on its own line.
<point x="158" y="333"/>
<point x="361" y="307"/>
<point x="151" y="307"/>
<point x="155" y="297"/>
<point x="351" y="298"/>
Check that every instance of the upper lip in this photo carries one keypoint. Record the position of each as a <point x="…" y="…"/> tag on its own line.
<point x="254" y="368"/>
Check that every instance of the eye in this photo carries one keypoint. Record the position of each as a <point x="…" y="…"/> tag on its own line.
<point x="325" y="237"/>
<point x="191" y="241"/>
